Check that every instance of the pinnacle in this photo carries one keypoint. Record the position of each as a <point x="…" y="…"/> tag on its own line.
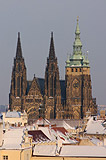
<point x="18" y="50"/>
<point x="52" y="50"/>
<point x="77" y="47"/>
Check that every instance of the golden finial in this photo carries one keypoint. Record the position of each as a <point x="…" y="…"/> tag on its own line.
<point x="77" y="19"/>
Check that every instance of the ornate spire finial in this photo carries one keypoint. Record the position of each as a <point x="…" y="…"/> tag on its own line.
<point x="18" y="34"/>
<point x="18" y="50"/>
<point x="77" y="47"/>
<point x="52" y="50"/>
<point x="34" y="75"/>
<point x="51" y="34"/>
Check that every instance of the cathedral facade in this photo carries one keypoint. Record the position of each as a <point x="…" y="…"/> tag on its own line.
<point x="50" y="97"/>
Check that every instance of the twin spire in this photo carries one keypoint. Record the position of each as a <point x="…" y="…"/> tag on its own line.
<point x="77" y="46"/>
<point x="52" y="49"/>
<point x="18" y="50"/>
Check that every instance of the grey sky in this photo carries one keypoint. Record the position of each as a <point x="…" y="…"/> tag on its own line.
<point x="35" y="19"/>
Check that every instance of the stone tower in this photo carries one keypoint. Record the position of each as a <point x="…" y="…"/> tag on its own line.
<point x="52" y="96"/>
<point x="78" y="81"/>
<point x="18" y="80"/>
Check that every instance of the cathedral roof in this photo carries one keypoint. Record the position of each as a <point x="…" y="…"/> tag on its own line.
<point x="41" y="82"/>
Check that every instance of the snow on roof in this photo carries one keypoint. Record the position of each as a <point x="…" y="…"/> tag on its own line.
<point x="57" y="122"/>
<point x="12" y="138"/>
<point x="62" y="133"/>
<point x="13" y="114"/>
<point x="67" y="126"/>
<point x="44" y="150"/>
<point x="95" y="141"/>
<point x="55" y="133"/>
<point x="67" y="123"/>
<point x="60" y="129"/>
<point x="83" y="151"/>
<point x="95" y="127"/>
<point x="74" y="122"/>
<point x="42" y="121"/>
<point x="47" y="132"/>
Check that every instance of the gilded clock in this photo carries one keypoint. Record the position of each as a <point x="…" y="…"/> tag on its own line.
<point x="76" y="85"/>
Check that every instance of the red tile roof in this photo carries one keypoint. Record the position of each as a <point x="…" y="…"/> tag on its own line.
<point x="38" y="136"/>
<point x="60" y="129"/>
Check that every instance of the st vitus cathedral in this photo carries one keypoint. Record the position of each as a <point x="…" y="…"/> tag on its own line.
<point x="51" y="97"/>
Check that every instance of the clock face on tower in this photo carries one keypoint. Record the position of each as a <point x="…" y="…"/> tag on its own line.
<point x="76" y="84"/>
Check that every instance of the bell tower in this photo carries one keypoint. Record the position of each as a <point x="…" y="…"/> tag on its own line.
<point x="52" y="85"/>
<point x="18" y="80"/>
<point x="78" y="81"/>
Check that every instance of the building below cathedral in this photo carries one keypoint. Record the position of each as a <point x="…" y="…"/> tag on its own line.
<point x="51" y="97"/>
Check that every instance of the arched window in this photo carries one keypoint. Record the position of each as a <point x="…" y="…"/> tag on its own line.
<point x="51" y="114"/>
<point x="19" y="67"/>
<point x="21" y="85"/>
<point x="55" y="85"/>
<point x="52" y="67"/>
<point x="51" y="86"/>
<point x="18" y="86"/>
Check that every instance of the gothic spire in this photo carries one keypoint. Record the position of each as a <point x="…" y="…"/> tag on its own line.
<point x="52" y="50"/>
<point x="18" y="50"/>
<point x="77" y="46"/>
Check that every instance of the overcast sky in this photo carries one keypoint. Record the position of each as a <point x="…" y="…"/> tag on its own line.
<point x="35" y="19"/>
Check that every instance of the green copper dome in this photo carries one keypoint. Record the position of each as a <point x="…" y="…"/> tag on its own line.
<point x="77" y="59"/>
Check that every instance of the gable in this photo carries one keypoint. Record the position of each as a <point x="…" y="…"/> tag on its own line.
<point x="34" y="88"/>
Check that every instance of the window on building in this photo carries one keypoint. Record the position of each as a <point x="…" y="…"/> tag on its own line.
<point x="80" y="69"/>
<point x="72" y="70"/>
<point x="18" y="86"/>
<point x="19" y="67"/>
<point x="5" y="157"/>
<point x="21" y="85"/>
<point x="52" y="67"/>
<point x="76" y="69"/>
<point x="51" y="86"/>
<point x="29" y="100"/>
